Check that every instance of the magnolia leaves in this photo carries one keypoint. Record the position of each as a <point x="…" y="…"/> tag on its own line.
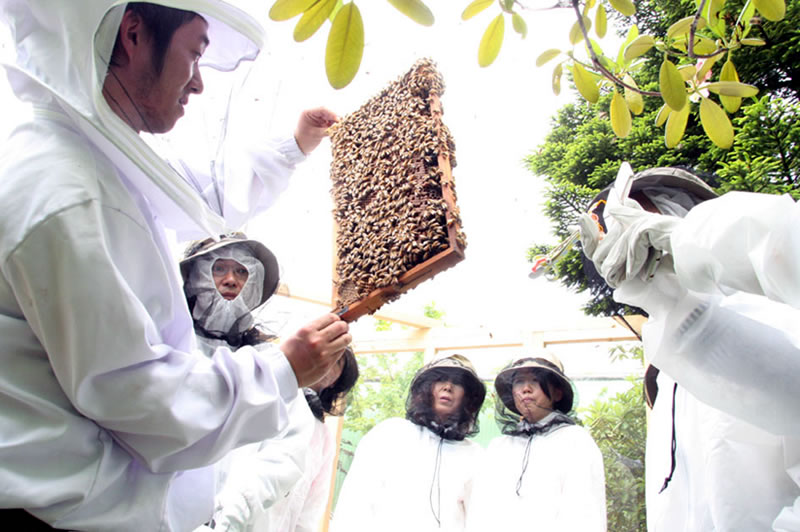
<point x="686" y="55"/>
<point x="492" y="38"/>
<point x="345" y="46"/>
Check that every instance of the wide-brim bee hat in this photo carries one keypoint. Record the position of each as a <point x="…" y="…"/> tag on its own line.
<point x="669" y="177"/>
<point x="200" y="248"/>
<point x="458" y="365"/>
<point x="545" y="362"/>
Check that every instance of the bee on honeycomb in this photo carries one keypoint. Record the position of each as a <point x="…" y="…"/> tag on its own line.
<point x="393" y="191"/>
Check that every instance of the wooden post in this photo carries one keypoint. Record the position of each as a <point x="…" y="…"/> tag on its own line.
<point x="326" y="517"/>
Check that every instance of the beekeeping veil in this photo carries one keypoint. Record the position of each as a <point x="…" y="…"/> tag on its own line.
<point x="215" y="316"/>
<point x="459" y="370"/>
<point x="62" y="55"/>
<point x="549" y="372"/>
<point x="673" y="191"/>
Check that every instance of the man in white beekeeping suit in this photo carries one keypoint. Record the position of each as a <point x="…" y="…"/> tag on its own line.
<point x="110" y="419"/>
<point x="719" y="278"/>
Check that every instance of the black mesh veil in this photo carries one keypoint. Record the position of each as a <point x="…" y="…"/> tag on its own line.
<point x="550" y="377"/>
<point x="419" y="403"/>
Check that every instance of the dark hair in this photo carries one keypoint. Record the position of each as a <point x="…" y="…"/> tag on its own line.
<point x="419" y="403"/>
<point x="161" y="24"/>
<point x="331" y="400"/>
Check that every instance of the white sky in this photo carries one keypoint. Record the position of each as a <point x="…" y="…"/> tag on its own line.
<point x="497" y="115"/>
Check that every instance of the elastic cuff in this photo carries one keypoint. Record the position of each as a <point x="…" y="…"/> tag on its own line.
<point x="288" y="148"/>
<point x="284" y="376"/>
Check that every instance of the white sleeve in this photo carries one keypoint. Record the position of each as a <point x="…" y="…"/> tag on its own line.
<point x="247" y="181"/>
<point x="260" y="476"/>
<point x="734" y="342"/>
<point x="737" y="353"/>
<point x="318" y="494"/>
<point x="103" y="315"/>
<point x="741" y="242"/>
<point x="788" y="519"/>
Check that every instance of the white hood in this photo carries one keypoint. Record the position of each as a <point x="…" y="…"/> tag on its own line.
<point x="62" y="53"/>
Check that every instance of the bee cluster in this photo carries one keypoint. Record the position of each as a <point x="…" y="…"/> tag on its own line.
<point x="392" y="161"/>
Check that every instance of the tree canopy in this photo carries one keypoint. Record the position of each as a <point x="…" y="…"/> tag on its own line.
<point x="581" y="154"/>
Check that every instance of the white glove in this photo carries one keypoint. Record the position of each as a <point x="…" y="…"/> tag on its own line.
<point x="623" y="252"/>
<point x="656" y="296"/>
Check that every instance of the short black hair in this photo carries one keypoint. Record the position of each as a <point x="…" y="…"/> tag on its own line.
<point x="161" y="23"/>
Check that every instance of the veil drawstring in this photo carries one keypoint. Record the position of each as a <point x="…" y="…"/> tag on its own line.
<point x="437" y="513"/>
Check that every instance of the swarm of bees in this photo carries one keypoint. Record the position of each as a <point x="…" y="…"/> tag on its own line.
<point x="394" y="201"/>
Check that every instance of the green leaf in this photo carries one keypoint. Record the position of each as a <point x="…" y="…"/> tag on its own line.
<point x="676" y="126"/>
<point x="662" y="115"/>
<point x="475" y="7"/>
<point x="732" y="88"/>
<point x="687" y="71"/>
<point x="704" y="46"/>
<point x="600" y="21"/>
<point x="415" y="10"/>
<point x="728" y="73"/>
<point x="620" y="116"/>
<point x="557" y="72"/>
<point x="716" y="124"/>
<point x="519" y="25"/>
<point x="634" y="99"/>
<point x="711" y="12"/>
<point x="673" y="89"/>
<point x="625" y="7"/>
<point x="633" y="33"/>
<point x="585" y="83"/>
<point x="773" y="10"/>
<point x="312" y="19"/>
<point x="286" y="9"/>
<point x="491" y="41"/>
<point x="345" y="46"/>
<point x="575" y="33"/>
<point x="753" y="42"/>
<point x="546" y="56"/>
<point x="683" y="26"/>
<point x="641" y="45"/>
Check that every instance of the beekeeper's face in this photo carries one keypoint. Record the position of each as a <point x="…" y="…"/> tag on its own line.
<point x="229" y="277"/>
<point x="159" y="97"/>
<point x="447" y="398"/>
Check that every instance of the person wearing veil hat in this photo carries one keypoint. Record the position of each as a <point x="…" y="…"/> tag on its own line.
<point x="416" y="473"/>
<point x="111" y="418"/>
<point x="282" y="483"/>
<point x="721" y="341"/>
<point x="545" y="472"/>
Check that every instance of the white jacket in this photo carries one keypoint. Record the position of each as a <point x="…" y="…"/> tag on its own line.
<point x="729" y="475"/>
<point x="109" y="417"/>
<point x="265" y="485"/>
<point x="390" y="485"/>
<point x="563" y="487"/>
<point x="732" y="339"/>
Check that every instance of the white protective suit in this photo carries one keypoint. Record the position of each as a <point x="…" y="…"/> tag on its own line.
<point x="109" y="417"/>
<point x="264" y="485"/>
<point x="302" y="509"/>
<point x="563" y="487"/>
<point x="725" y="325"/>
<point x="391" y="486"/>
<point x="729" y="475"/>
